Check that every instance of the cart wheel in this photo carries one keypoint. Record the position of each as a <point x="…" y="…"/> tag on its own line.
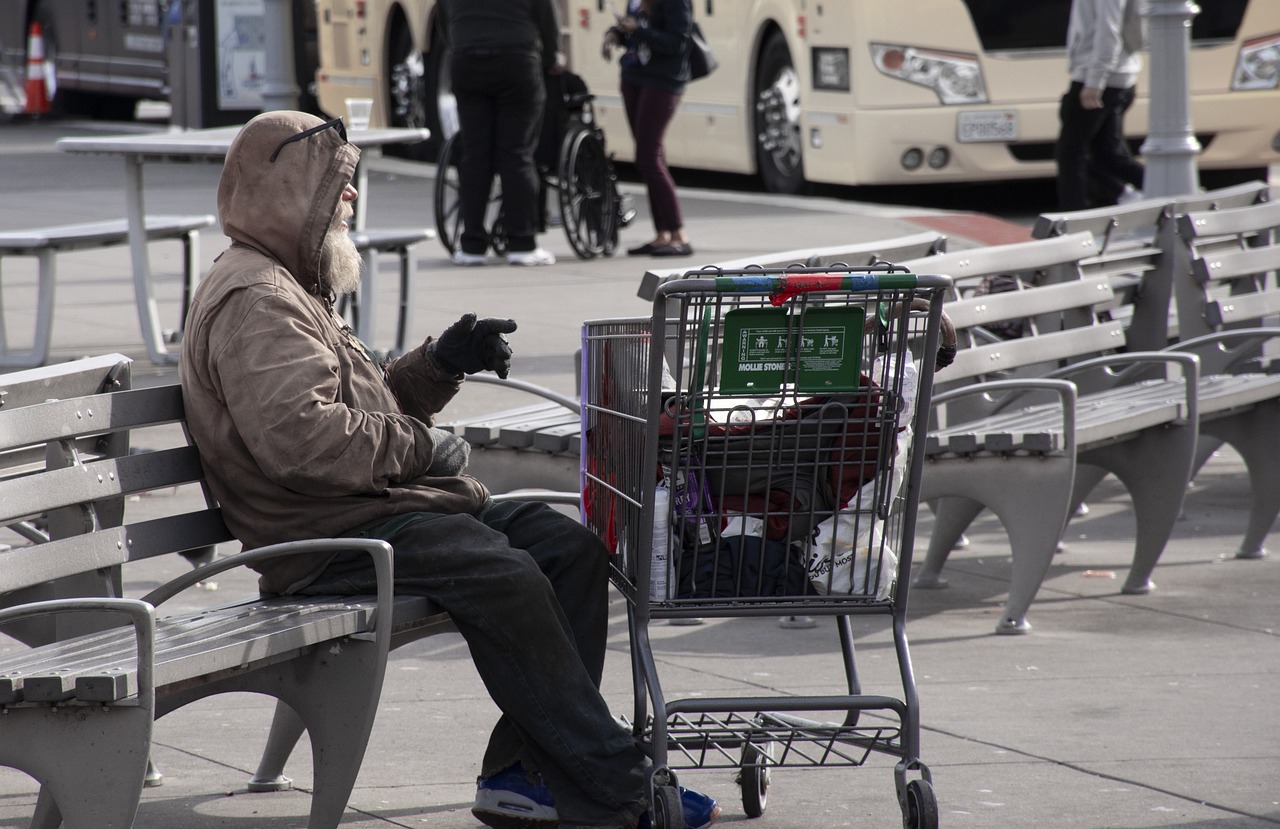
<point x="921" y="808"/>
<point x="754" y="780"/>
<point x="667" y="811"/>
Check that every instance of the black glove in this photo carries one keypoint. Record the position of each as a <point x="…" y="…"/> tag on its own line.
<point x="450" y="456"/>
<point x="468" y="346"/>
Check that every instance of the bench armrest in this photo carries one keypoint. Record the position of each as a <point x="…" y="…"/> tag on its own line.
<point x="1137" y="360"/>
<point x="1234" y="338"/>
<point x="1065" y="390"/>
<point x="532" y="388"/>
<point x="141" y="613"/>
<point x="379" y="550"/>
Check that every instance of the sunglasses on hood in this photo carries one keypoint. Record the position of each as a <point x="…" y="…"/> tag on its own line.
<point x="335" y="124"/>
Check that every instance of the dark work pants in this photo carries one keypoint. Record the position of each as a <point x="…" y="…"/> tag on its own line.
<point x="1091" y="152"/>
<point x="527" y="587"/>
<point x="649" y="112"/>
<point x="500" y="103"/>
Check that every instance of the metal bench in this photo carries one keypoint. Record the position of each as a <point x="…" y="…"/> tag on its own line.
<point x="1228" y="305"/>
<point x="1138" y="248"/>
<point x="1197" y="268"/>
<point x="78" y="706"/>
<point x="1018" y="423"/>
<point x="45" y="243"/>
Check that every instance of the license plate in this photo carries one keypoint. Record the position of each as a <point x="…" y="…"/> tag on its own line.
<point x="987" y="125"/>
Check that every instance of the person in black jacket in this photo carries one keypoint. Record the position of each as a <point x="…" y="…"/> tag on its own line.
<point x="656" y="36"/>
<point x="501" y="51"/>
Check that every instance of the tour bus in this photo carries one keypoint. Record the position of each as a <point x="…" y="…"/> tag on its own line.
<point x="844" y="91"/>
<point x="108" y="56"/>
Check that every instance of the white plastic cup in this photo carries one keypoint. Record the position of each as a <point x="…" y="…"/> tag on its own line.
<point x="358" y="112"/>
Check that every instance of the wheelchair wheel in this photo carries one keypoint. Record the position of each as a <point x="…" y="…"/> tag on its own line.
<point x="448" y="206"/>
<point x="448" y="203"/>
<point x="588" y="198"/>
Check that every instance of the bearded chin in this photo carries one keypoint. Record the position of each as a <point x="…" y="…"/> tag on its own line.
<point x="343" y="261"/>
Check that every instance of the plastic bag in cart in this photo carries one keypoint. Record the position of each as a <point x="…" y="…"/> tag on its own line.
<point x="849" y="553"/>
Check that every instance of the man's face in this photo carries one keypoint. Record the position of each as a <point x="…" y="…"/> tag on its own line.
<point x="343" y="274"/>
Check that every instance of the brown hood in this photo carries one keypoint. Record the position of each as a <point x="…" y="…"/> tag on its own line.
<point x="283" y="208"/>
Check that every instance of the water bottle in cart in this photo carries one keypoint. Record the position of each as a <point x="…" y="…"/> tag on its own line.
<point x="660" y="572"/>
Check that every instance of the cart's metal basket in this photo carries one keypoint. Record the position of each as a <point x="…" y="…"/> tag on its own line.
<point x="748" y="450"/>
<point x="763" y="438"/>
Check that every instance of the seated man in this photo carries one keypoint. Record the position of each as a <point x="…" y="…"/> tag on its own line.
<point x="304" y="435"/>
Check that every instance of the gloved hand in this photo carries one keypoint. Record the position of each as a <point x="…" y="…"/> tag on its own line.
<point x="450" y="456"/>
<point x="468" y="346"/>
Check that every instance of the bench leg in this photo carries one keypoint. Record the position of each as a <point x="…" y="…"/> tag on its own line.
<point x="1029" y="496"/>
<point x="90" y="761"/>
<point x="38" y="354"/>
<point x="1252" y="435"/>
<point x="1155" y="468"/>
<point x="190" y="274"/>
<point x="334" y="691"/>
<point x="403" y="319"/>
<point x="286" y="729"/>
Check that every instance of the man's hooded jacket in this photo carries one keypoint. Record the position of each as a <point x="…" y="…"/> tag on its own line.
<point x="301" y="434"/>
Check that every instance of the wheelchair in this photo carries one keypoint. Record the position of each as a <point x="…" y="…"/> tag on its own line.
<point x="574" y="166"/>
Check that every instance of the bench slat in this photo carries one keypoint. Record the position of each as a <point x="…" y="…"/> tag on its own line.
<point x="97" y="480"/>
<point x="980" y="360"/>
<point x="89" y="415"/>
<point x="520" y="434"/>
<point x="487" y="429"/>
<point x="97" y="234"/>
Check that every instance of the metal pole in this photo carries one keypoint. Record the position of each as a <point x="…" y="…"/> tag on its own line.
<point x="1171" y="147"/>
<point x="279" y="91"/>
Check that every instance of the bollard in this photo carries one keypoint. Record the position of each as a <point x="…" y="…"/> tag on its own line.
<point x="1171" y="147"/>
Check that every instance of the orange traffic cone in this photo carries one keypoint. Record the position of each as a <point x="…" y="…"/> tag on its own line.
<point x="37" y="72"/>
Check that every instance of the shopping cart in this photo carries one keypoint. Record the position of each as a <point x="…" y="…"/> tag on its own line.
<point x="747" y="451"/>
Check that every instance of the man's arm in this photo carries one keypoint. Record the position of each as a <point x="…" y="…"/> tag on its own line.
<point x="1106" y="53"/>
<point x="280" y="382"/>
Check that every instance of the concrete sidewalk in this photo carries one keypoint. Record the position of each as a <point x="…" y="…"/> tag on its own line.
<point x="1115" y="711"/>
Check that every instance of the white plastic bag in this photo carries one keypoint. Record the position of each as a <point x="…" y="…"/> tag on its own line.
<point x="848" y="553"/>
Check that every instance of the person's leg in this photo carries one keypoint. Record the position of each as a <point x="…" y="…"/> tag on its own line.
<point x="520" y="105"/>
<point x="1078" y="126"/>
<point x="1108" y="149"/>
<point x="649" y="112"/>
<point x="534" y="620"/>
<point x="476" y="114"/>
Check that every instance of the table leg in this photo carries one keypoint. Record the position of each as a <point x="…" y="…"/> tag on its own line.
<point x="144" y="296"/>
<point x="368" y="274"/>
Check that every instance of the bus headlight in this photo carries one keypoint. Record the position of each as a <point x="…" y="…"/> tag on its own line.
<point x="1259" y="64"/>
<point x="955" y="78"/>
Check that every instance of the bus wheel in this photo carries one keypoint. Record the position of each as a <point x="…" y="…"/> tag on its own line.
<point x="777" y="119"/>
<point x="405" y="84"/>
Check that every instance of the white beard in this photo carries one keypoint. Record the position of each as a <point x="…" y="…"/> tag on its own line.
<point x="343" y="259"/>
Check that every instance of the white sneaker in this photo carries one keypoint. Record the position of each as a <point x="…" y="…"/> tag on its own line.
<point x="1129" y="195"/>
<point x="461" y="257"/>
<point x="537" y="256"/>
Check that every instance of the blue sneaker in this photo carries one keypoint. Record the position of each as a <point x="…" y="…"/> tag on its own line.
<point x="514" y="799"/>
<point x="700" y="810"/>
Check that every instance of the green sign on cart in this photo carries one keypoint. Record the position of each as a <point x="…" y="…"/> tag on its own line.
<point x="764" y="349"/>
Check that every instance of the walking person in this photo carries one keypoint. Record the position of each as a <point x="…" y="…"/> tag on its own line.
<point x="656" y="36"/>
<point x="1103" y="39"/>
<point x="303" y="435"/>
<point x="501" y="50"/>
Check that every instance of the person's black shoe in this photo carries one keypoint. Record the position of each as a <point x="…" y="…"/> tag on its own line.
<point x="677" y="249"/>
<point x="643" y="250"/>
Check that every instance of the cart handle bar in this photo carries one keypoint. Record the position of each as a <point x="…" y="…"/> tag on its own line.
<point x="781" y="288"/>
